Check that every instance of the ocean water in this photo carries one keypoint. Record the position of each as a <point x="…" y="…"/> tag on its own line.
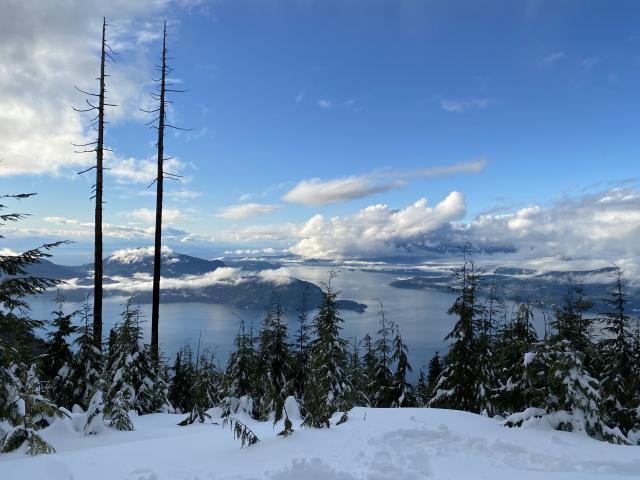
<point x="420" y="314"/>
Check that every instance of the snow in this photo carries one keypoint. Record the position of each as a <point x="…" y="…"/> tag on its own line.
<point x="374" y="444"/>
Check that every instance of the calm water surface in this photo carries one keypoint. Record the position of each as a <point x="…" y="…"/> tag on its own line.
<point x="420" y="314"/>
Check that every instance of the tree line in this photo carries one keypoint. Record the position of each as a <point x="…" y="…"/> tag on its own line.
<point x="581" y="374"/>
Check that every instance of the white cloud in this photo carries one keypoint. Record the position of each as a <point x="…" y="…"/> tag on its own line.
<point x="169" y="215"/>
<point x="589" y="231"/>
<point x="459" y="106"/>
<point x="277" y="276"/>
<point x="589" y="63"/>
<point x="376" y="230"/>
<point x="133" y="170"/>
<point x="7" y="252"/>
<point x="327" y="104"/>
<point x="551" y="59"/>
<point x="73" y="228"/>
<point x="48" y="47"/>
<point x="183" y="195"/>
<point x="245" y="210"/>
<point x="316" y="192"/>
<point x="219" y="276"/>
<point x="133" y="255"/>
<point x="603" y="225"/>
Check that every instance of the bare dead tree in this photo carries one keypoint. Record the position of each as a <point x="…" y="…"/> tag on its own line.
<point x="97" y="123"/>
<point x="164" y="86"/>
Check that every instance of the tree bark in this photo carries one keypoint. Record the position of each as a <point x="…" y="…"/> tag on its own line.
<point x="157" y="255"/>
<point x="97" y="259"/>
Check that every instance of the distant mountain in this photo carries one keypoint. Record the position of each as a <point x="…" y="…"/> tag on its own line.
<point x="527" y="285"/>
<point x="126" y="263"/>
<point x="241" y="283"/>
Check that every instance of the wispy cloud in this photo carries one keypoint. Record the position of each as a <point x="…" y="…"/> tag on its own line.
<point x="299" y="97"/>
<point x="245" y="210"/>
<point x="551" y="59"/>
<point x="459" y="106"/>
<point x="589" y="63"/>
<point x="327" y="104"/>
<point x="316" y="192"/>
<point x="148" y="215"/>
<point x="183" y="195"/>
<point x="135" y="170"/>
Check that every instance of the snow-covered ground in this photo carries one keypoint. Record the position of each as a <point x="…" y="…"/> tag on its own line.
<point x="373" y="444"/>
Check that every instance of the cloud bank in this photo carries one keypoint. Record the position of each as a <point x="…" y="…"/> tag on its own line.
<point x="316" y="192"/>
<point x="377" y="230"/>
<point x="48" y="47"/>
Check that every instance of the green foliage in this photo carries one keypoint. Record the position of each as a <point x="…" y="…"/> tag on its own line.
<point x="240" y="431"/>
<point x="87" y="364"/>
<point x="57" y="367"/>
<point x="515" y="338"/>
<point x="456" y="387"/>
<point x="134" y="380"/>
<point x="383" y="395"/>
<point x="242" y="368"/>
<point x="274" y="363"/>
<point x="619" y="383"/>
<point x="328" y="388"/>
<point x="402" y="390"/>
<point x="184" y="377"/>
<point x="18" y="343"/>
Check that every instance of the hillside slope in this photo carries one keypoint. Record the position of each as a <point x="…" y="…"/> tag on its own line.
<point x="374" y="444"/>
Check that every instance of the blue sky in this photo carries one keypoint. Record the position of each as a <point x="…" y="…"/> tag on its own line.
<point x="543" y="94"/>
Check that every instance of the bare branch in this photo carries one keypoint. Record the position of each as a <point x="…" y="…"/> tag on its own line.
<point x="179" y="128"/>
<point x="87" y="93"/>
<point x="87" y="170"/>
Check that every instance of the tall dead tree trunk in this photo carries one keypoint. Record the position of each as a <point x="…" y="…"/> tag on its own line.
<point x="97" y="256"/>
<point x="98" y="123"/>
<point x="157" y="253"/>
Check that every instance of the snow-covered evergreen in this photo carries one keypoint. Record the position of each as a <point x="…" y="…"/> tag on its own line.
<point x="328" y="388"/>
<point x="87" y="363"/>
<point x="57" y="365"/>
<point x="134" y="383"/>
<point x="274" y="365"/>
<point x="457" y="385"/>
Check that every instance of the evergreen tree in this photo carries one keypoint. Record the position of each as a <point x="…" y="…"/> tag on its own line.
<point x="435" y="368"/>
<point x="87" y="362"/>
<point x="328" y="389"/>
<point x="274" y="362"/>
<point x="357" y="377"/>
<point x="402" y="390"/>
<point x="485" y="325"/>
<point x="562" y="388"/>
<point x="456" y="387"/>
<point x="180" y="391"/>
<point x="205" y="389"/>
<point x="57" y="368"/>
<point x="133" y="382"/>
<point x="618" y="383"/>
<point x="382" y="377"/>
<point x="300" y="347"/>
<point x="514" y="340"/>
<point x="36" y="412"/>
<point x="421" y="392"/>
<point x="18" y="343"/>
<point x="242" y="368"/>
<point x="369" y="364"/>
